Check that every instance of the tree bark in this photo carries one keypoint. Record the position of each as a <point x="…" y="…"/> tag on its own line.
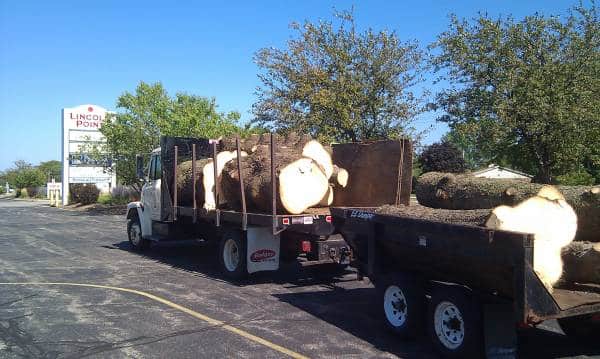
<point x="301" y="181"/>
<point x="582" y="262"/>
<point x="450" y="191"/>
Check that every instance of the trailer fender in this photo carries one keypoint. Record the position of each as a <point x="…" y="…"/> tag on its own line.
<point x="136" y="209"/>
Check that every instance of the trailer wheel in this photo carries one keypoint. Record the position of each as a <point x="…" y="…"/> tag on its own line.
<point x="584" y="328"/>
<point x="134" y="233"/>
<point x="402" y="298"/>
<point x="232" y="254"/>
<point x="454" y="322"/>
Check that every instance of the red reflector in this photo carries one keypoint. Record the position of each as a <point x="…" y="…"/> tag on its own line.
<point x="286" y="221"/>
<point x="306" y="246"/>
<point x="328" y="219"/>
<point x="596" y="318"/>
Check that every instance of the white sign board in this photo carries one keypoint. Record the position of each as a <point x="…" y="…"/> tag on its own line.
<point x="81" y="126"/>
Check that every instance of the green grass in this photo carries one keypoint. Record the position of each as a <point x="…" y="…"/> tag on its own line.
<point x="108" y="199"/>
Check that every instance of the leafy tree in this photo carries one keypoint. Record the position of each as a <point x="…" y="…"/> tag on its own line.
<point x="526" y="92"/>
<point x="52" y="169"/>
<point x="442" y="157"/>
<point x="579" y="177"/>
<point x="466" y="144"/>
<point x="337" y="83"/>
<point x="23" y="175"/>
<point x="150" y="112"/>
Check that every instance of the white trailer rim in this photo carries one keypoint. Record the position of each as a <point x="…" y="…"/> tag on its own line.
<point x="135" y="233"/>
<point x="231" y="255"/>
<point x="394" y="305"/>
<point x="449" y="325"/>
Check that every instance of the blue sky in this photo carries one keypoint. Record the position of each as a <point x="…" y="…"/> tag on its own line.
<point x="56" y="54"/>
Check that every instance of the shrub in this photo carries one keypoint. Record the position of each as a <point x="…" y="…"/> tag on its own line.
<point x="125" y="194"/>
<point x="22" y="193"/>
<point x="105" y="198"/>
<point x="575" y="178"/>
<point x="32" y="191"/>
<point x="84" y="193"/>
<point x="442" y="157"/>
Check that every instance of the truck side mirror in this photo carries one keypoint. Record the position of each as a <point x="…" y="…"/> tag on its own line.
<point x="139" y="167"/>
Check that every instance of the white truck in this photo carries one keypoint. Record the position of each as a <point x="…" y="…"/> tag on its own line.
<point x="248" y="242"/>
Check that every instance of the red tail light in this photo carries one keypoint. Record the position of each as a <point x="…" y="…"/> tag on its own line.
<point x="306" y="246"/>
<point x="328" y="219"/>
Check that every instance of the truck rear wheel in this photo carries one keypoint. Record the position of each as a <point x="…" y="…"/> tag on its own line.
<point x="134" y="233"/>
<point x="454" y="322"/>
<point x="583" y="328"/>
<point x="402" y="298"/>
<point x="232" y="254"/>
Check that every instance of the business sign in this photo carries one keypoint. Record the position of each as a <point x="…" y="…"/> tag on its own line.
<point x="81" y="130"/>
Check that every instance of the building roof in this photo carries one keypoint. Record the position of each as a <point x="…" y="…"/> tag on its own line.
<point x="494" y="167"/>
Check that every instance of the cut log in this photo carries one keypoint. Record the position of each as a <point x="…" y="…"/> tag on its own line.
<point x="552" y="222"/>
<point x="301" y="183"/>
<point x="450" y="191"/>
<point x="582" y="262"/>
<point x="185" y="182"/>
<point x="204" y="179"/>
<point x="475" y="217"/>
<point x="315" y="151"/>
<point x="339" y="177"/>
<point x="208" y="176"/>
<point x="328" y="198"/>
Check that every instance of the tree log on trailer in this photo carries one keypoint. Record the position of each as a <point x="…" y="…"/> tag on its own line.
<point x="301" y="182"/>
<point x="204" y="179"/>
<point x="451" y="191"/>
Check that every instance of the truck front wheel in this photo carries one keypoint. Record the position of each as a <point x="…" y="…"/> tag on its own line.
<point x="134" y="233"/>
<point x="232" y="254"/>
<point x="454" y="322"/>
<point x="402" y="298"/>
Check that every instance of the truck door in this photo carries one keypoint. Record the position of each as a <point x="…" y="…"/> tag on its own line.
<point x="151" y="190"/>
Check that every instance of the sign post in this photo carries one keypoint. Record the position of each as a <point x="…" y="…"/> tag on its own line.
<point x="81" y="128"/>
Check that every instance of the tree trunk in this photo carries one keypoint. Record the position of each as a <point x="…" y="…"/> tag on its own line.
<point x="450" y="191"/>
<point x="185" y="182"/>
<point x="301" y="181"/>
<point x="582" y="262"/>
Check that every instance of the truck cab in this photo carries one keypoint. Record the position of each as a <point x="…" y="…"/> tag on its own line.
<point x="140" y="214"/>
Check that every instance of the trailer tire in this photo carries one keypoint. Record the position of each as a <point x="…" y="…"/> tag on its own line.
<point x="134" y="234"/>
<point x="454" y="322"/>
<point x="583" y="328"/>
<point x="402" y="298"/>
<point x="232" y="254"/>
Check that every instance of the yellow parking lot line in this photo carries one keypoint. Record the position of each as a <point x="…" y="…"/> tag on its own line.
<point x="193" y="313"/>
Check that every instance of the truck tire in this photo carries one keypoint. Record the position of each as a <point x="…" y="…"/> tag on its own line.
<point x="454" y="322"/>
<point x="402" y="299"/>
<point x="232" y="254"/>
<point x="583" y="328"/>
<point x="134" y="234"/>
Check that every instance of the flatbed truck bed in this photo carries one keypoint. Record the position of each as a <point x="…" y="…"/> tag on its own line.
<point x="484" y="275"/>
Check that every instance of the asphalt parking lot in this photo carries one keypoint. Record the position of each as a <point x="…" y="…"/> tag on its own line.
<point x="72" y="288"/>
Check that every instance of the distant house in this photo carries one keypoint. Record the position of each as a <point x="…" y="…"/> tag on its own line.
<point x="495" y="171"/>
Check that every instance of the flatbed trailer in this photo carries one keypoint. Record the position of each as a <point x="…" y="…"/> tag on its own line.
<point x="248" y="241"/>
<point x="469" y="286"/>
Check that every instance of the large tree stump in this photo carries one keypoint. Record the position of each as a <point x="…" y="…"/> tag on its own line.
<point x="301" y="181"/>
<point x="450" y="191"/>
